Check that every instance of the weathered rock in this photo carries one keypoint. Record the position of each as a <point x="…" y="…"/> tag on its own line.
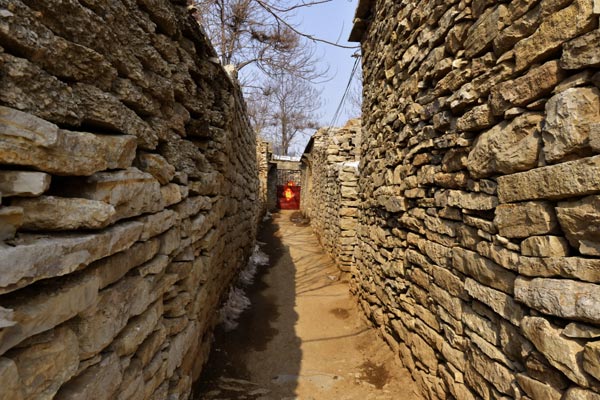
<point x="44" y="257"/>
<point x="478" y="118"/>
<point x="582" y="331"/>
<point x="31" y="141"/>
<point x="98" y="382"/>
<point x="564" y="354"/>
<point x="581" y="52"/>
<point x="23" y="183"/>
<point x="97" y="327"/>
<point x="572" y="117"/>
<point x="495" y="373"/>
<point x="483" y="270"/>
<point x="558" y="28"/>
<point x="136" y="331"/>
<point x="579" y="220"/>
<point x="466" y="200"/>
<point x="9" y="380"/>
<point x="585" y="269"/>
<point x="157" y="166"/>
<point x="537" y="83"/>
<point x="545" y="246"/>
<point x="131" y="191"/>
<point x="502" y="304"/>
<point x="560" y="297"/>
<point x="48" y="363"/>
<point x="50" y="213"/>
<point x="577" y="393"/>
<point x="552" y="182"/>
<point x="591" y="359"/>
<point x="53" y="304"/>
<point x="525" y="219"/>
<point x="538" y="390"/>
<point x="11" y="219"/>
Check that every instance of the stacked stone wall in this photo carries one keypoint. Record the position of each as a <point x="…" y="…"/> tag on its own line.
<point x="128" y="184"/>
<point x="329" y="190"/>
<point x="478" y="251"/>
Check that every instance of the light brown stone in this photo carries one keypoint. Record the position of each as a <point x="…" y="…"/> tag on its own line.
<point x="47" y="364"/>
<point x="498" y="375"/>
<point x="130" y="191"/>
<point x="560" y="297"/>
<point x="552" y="182"/>
<point x="577" y="393"/>
<point x="23" y="183"/>
<point x="585" y="269"/>
<point x="538" y="390"/>
<point x="556" y="29"/>
<point x="564" y="354"/>
<point x="521" y="91"/>
<point x="579" y="220"/>
<point x="545" y="246"/>
<point x="502" y="304"/>
<point x="9" y="380"/>
<point x="525" y="219"/>
<point x="572" y="117"/>
<point x="582" y="52"/>
<point x="136" y="331"/>
<point x="466" y="200"/>
<point x="483" y="270"/>
<point x="157" y="166"/>
<point x="50" y="213"/>
<point x="46" y="257"/>
<point x="582" y="331"/>
<point x="97" y="327"/>
<point x="591" y="359"/>
<point x="31" y="141"/>
<point x="98" y="382"/>
<point x="11" y="219"/>
<point x="51" y="305"/>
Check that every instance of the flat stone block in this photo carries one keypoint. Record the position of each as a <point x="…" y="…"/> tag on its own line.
<point x="11" y="219"/>
<point x="545" y="246"/>
<point x="579" y="220"/>
<point x="23" y="183"/>
<point x="522" y="220"/>
<point x="50" y="305"/>
<point x="561" y="297"/>
<point x="569" y="179"/>
<point x="50" y="213"/>
<point x="35" y="257"/>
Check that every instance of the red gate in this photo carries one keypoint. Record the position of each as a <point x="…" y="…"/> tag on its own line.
<point x="288" y="196"/>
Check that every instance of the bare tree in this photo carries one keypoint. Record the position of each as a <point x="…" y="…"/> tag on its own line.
<point x="293" y="104"/>
<point x="259" y="33"/>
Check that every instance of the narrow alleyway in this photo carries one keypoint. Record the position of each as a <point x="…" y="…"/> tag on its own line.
<point x="303" y="337"/>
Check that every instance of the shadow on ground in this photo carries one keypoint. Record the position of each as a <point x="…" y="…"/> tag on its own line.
<point x="227" y="374"/>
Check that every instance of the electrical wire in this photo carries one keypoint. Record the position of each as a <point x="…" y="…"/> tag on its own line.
<point x="338" y="111"/>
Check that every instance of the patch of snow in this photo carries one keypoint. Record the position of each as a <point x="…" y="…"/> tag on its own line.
<point x="237" y="301"/>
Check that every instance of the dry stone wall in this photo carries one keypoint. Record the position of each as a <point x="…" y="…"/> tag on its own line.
<point x="478" y="251"/>
<point x="329" y="189"/>
<point x="128" y="183"/>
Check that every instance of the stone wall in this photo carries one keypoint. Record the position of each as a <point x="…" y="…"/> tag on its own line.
<point x="329" y="189"/>
<point x="264" y="152"/>
<point x="479" y="252"/>
<point x="128" y="184"/>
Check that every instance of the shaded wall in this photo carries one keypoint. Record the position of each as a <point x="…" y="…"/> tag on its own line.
<point x="329" y="187"/>
<point x="128" y="183"/>
<point x="478" y="252"/>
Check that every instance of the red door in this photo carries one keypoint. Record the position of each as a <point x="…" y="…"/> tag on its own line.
<point x="288" y="197"/>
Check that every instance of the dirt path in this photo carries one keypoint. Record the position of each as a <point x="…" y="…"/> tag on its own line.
<point x="303" y="337"/>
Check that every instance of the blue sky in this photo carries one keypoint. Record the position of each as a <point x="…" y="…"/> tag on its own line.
<point x="331" y="21"/>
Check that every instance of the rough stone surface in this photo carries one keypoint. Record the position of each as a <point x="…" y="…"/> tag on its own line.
<point x="124" y="150"/>
<point x="525" y="219"/>
<point x="476" y="193"/>
<point x="579" y="220"/>
<point x="49" y="213"/>
<point x="23" y="183"/>
<point x="572" y="117"/>
<point x="552" y="182"/>
<point x="560" y="297"/>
